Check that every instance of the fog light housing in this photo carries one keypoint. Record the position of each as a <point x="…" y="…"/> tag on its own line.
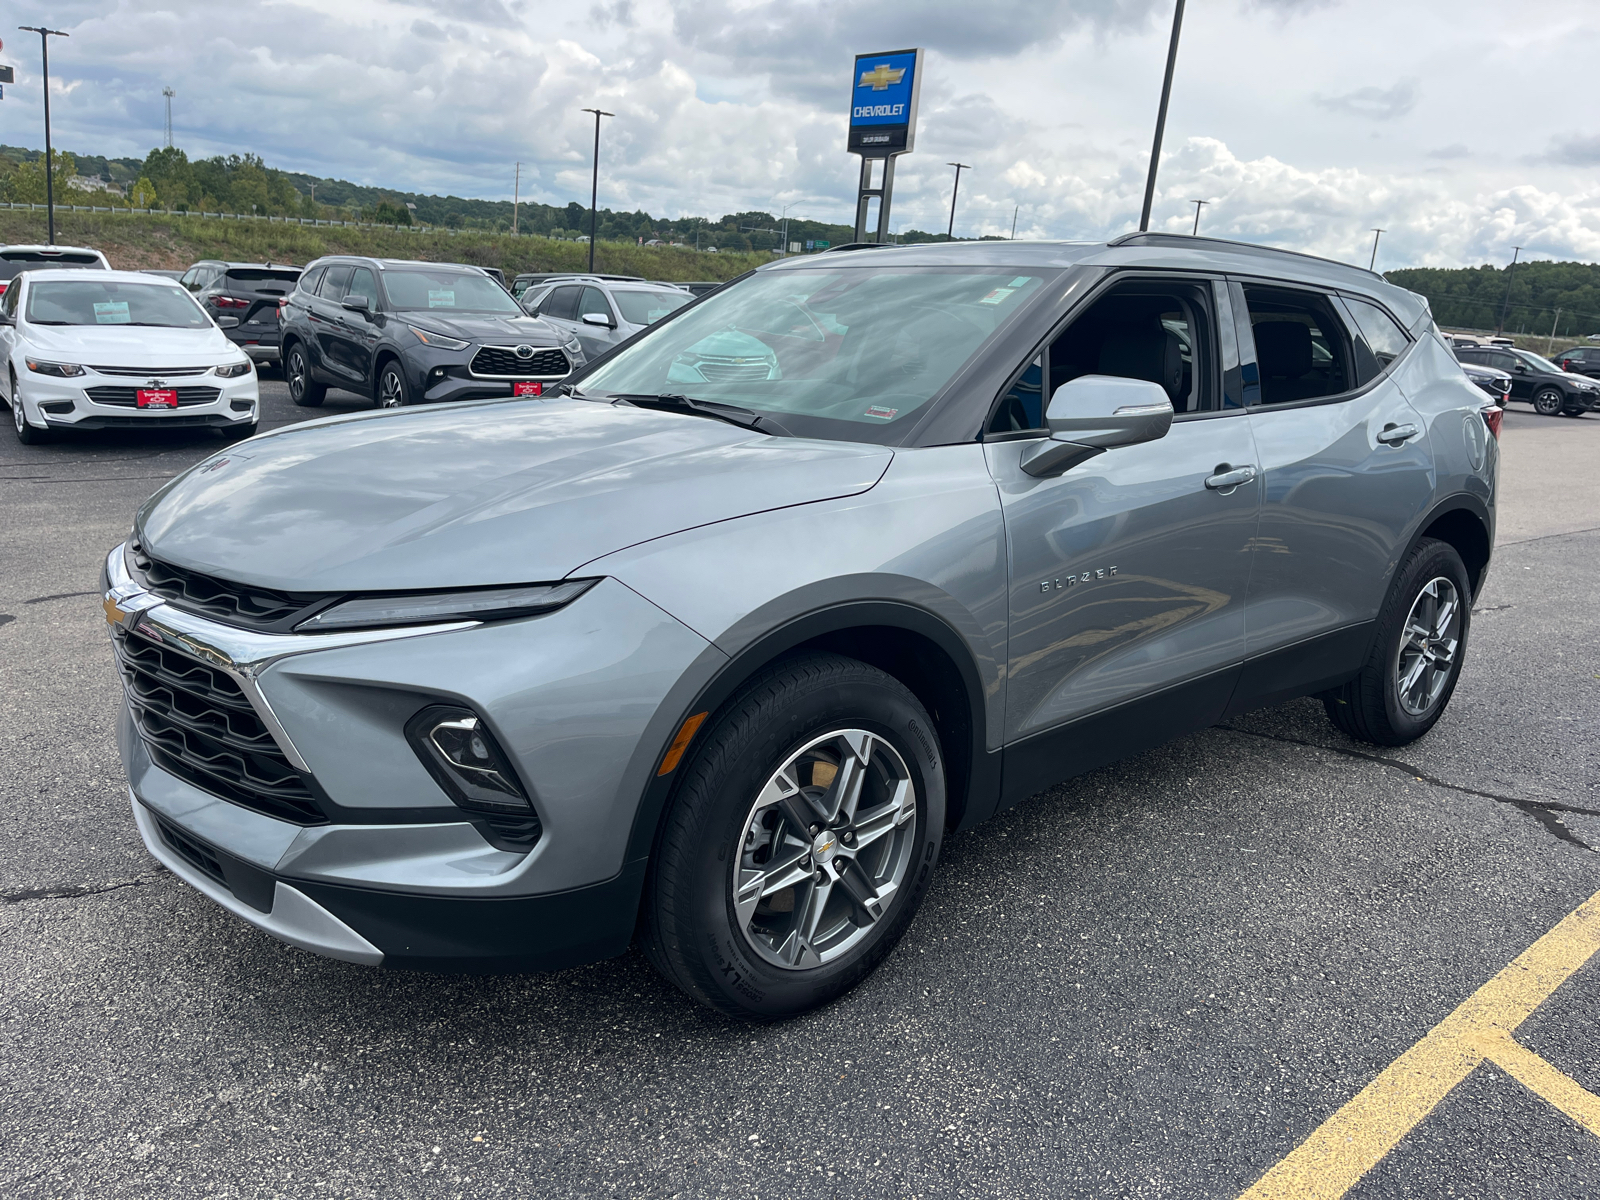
<point x="456" y="747"/>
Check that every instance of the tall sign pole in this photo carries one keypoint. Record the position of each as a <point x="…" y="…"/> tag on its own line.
<point x="1161" y="118"/>
<point x="883" y="126"/>
<point x="49" y="167"/>
<point x="594" y="191"/>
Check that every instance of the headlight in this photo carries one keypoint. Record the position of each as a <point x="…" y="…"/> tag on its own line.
<point x="573" y="347"/>
<point x="59" y="370"/>
<point x="233" y="370"/>
<point x="479" y="604"/>
<point x="438" y="340"/>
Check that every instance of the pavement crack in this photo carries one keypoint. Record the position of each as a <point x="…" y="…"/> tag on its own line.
<point x="70" y="891"/>
<point x="1542" y="811"/>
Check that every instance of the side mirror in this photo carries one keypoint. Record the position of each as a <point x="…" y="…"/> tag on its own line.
<point x="356" y="304"/>
<point x="598" y="319"/>
<point x="1094" y="413"/>
<point x="227" y="322"/>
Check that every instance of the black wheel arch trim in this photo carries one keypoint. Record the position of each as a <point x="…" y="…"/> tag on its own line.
<point x="1465" y="502"/>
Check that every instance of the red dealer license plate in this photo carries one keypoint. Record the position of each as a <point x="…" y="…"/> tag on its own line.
<point x="156" y="398"/>
<point x="527" y="389"/>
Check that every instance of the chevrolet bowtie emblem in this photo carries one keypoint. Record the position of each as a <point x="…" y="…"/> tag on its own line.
<point x="881" y="76"/>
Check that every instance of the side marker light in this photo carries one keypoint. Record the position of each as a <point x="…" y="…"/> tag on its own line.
<point x="680" y="743"/>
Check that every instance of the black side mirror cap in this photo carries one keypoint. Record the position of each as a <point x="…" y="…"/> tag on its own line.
<point x="356" y="304"/>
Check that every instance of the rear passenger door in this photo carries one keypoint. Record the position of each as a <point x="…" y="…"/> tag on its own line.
<point x="327" y="322"/>
<point x="1346" y="471"/>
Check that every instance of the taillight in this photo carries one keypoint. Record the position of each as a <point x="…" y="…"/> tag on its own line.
<point x="4" y="284"/>
<point x="230" y="302"/>
<point x="1492" y="416"/>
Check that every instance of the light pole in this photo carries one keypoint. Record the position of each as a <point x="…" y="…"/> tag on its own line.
<point x="1198" y="204"/>
<point x="1506" y="303"/>
<point x="1376" y="234"/>
<point x="594" y="191"/>
<point x="950" y="233"/>
<point x="1161" y="118"/>
<point x="516" y="199"/>
<point x="1014" y="211"/>
<point x="49" y="167"/>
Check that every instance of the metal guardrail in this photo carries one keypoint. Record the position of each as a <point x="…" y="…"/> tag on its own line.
<point x="170" y="212"/>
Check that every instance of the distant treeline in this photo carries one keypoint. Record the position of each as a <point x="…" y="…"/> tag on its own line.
<point x="1473" y="297"/>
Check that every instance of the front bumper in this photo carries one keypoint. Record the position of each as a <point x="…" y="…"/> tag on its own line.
<point x="71" y="403"/>
<point x="442" y="376"/>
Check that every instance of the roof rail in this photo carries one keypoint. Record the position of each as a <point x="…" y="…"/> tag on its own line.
<point x="860" y="246"/>
<point x="1184" y="240"/>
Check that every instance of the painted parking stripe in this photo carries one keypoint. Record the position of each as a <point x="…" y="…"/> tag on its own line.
<point x="1354" y="1140"/>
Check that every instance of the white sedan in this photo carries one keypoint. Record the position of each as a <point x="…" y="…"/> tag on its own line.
<point x="87" y="349"/>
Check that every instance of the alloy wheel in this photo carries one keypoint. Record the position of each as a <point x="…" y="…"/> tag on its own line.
<point x="17" y="415"/>
<point x="391" y="392"/>
<point x="296" y="370"/>
<point x="825" y="849"/>
<point x="1548" y="403"/>
<point x="1429" y="642"/>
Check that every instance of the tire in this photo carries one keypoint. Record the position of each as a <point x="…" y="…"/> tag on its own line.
<point x="392" y="390"/>
<point x="1548" y="402"/>
<point x="818" y="912"/>
<point x="1417" y="640"/>
<point x="303" y="390"/>
<point x="26" y="434"/>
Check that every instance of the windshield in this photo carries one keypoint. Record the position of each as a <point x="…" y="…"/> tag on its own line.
<point x="111" y="302"/>
<point x="417" y="289"/>
<point x="1536" y="362"/>
<point x="646" y="308"/>
<point x="852" y="353"/>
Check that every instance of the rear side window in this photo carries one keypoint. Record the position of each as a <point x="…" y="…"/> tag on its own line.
<point x="1383" y="336"/>
<point x="309" y="281"/>
<point x="562" y="303"/>
<point x="334" y="283"/>
<point x="1301" y="349"/>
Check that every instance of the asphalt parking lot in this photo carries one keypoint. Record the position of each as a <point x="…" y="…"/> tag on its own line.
<point x="1159" y="980"/>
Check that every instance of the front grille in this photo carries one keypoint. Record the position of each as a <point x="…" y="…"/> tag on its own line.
<point x="502" y="362"/>
<point x="234" y="604"/>
<point x="197" y="854"/>
<point x="198" y="725"/>
<point x="127" y="397"/>
<point x="731" y="370"/>
<point x="150" y="372"/>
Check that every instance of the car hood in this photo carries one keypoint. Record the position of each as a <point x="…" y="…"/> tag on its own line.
<point x="469" y="495"/>
<point x="486" y="329"/>
<point x="130" y="346"/>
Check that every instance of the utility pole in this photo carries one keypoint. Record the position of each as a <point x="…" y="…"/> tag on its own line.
<point x="1551" y="344"/>
<point x="516" y="199"/>
<point x="1014" y="211"/>
<point x="1161" y="118"/>
<point x="169" y="94"/>
<point x="1506" y="303"/>
<point x="1198" y="205"/>
<point x="1376" y="234"/>
<point x="594" y="191"/>
<point x="950" y="233"/>
<point x="49" y="167"/>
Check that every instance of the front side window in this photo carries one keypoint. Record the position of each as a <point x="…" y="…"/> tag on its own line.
<point x="1301" y="349"/>
<point x="594" y="301"/>
<point x="362" y="284"/>
<point x="441" y="290"/>
<point x="112" y="302"/>
<point x="646" y="308"/>
<point x="854" y="353"/>
<point x="1536" y="362"/>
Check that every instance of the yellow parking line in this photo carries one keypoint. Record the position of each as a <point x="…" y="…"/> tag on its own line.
<point x="1354" y="1140"/>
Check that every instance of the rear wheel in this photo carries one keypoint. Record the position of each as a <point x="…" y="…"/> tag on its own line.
<point x="1548" y="402"/>
<point x="303" y="390"/>
<point x="800" y="842"/>
<point x="1416" y="655"/>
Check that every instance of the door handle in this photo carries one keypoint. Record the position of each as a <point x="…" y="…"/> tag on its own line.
<point x="1393" y="435"/>
<point x="1227" y="478"/>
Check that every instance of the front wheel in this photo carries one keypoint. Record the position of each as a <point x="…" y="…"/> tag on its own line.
<point x="303" y="390"/>
<point x="392" y="389"/>
<point x="1416" y="655"/>
<point x="1548" y="402"/>
<point x="26" y="434"/>
<point x="800" y="842"/>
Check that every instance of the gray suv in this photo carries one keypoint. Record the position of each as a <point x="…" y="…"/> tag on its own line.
<point x="716" y="646"/>
<point x="602" y="313"/>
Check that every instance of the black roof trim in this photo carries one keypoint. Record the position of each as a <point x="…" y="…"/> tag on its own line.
<point x="1179" y="241"/>
<point x="861" y="246"/>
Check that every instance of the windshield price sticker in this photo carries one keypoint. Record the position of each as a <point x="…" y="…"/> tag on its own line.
<point x="525" y="388"/>
<point x="881" y="413"/>
<point x="441" y="298"/>
<point x="996" y="296"/>
<point x="111" y="312"/>
<point x="155" y="397"/>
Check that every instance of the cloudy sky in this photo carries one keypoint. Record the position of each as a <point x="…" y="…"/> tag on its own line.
<point x="1463" y="128"/>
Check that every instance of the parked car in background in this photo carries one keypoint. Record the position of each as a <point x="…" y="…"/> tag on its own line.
<point x="1538" y="381"/>
<point x="602" y="313"/>
<point x="1580" y="360"/>
<point x="528" y="279"/>
<point x="16" y="259"/>
<point x="173" y="275"/>
<point x="720" y="666"/>
<point x="701" y="286"/>
<point x="118" y="350"/>
<point x="406" y="332"/>
<point x="496" y="274"/>
<point x="1495" y="382"/>
<point x="249" y="292"/>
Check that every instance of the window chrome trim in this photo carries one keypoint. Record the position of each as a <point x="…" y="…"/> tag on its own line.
<point x="242" y="654"/>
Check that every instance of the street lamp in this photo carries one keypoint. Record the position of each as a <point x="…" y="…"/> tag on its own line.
<point x="950" y="233"/>
<point x="1161" y="119"/>
<point x="1198" y="204"/>
<point x="1376" y="234"/>
<point x="594" y="191"/>
<point x="49" y="168"/>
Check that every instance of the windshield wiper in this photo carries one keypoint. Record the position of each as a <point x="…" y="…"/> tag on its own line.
<point x="745" y="418"/>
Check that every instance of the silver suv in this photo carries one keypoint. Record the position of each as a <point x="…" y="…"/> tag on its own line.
<point x="720" y="644"/>
<point x="602" y="313"/>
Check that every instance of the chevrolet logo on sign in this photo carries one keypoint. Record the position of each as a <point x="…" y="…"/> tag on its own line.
<point x="881" y="76"/>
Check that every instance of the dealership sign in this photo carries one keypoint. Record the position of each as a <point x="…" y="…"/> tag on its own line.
<point x="883" y="103"/>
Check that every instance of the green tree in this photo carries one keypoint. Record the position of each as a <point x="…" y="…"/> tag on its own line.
<point x="142" y="194"/>
<point x="26" y="184"/>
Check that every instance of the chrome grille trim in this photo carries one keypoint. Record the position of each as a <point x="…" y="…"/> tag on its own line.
<point x="149" y="372"/>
